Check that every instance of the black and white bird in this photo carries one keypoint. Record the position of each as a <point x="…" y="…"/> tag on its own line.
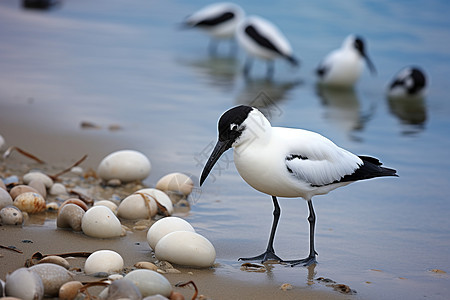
<point x="287" y="162"/>
<point x="262" y="39"/>
<point x="410" y="81"/>
<point x="343" y="67"/>
<point x="218" y="20"/>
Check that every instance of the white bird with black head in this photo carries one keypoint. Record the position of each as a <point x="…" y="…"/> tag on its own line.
<point x="409" y="82"/>
<point x="343" y="67"/>
<point x="262" y="39"/>
<point x="218" y="20"/>
<point x="287" y="162"/>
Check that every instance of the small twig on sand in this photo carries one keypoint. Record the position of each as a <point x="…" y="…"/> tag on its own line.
<point x="185" y="284"/>
<point x="23" y="152"/>
<point x="12" y="248"/>
<point x="54" y="177"/>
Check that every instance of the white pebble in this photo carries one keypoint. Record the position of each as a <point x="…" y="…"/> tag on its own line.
<point x="106" y="261"/>
<point x="77" y="171"/>
<point x="159" y="196"/>
<point x="186" y="248"/>
<point x="47" y="181"/>
<point x="137" y="206"/>
<point x="58" y="189"/>
<point x="5" y="198"/>
<point x="125" y="165"/>
<point x="101" y="222"/>
<point x="165" y="226"/>
<point x="109" y="204"/>
<point x="177" y="183"/>
<point x="150" y="282"/>
<point x="24" y="284"/>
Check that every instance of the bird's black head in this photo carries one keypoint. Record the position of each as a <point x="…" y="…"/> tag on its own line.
<point x="360" y="45"/>
<point x="230" y="129"/>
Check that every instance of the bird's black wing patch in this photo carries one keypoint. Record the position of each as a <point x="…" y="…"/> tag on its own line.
<point x="370" y="168"/>
<point x="215" y="20"/>
<point x="260" y="39"/>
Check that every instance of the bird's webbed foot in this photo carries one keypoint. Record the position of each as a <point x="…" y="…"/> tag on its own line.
<point x="310" y="260"/>
<point x="266" y="256"/>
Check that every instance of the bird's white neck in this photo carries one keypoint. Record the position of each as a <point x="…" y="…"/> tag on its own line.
<point x="257" y="131"/>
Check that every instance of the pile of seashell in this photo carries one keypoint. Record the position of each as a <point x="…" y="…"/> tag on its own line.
<point x="171" y="238"/>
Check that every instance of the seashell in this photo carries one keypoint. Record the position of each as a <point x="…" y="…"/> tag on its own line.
<point x="111" y="205"/>
<point x="114" y="182"/>
<point x="123" y="289"/>
<point x="5" y="199"/>
<point x="24" y="284"/>
<point x="58" y="189"/>
<point x="137" y="206"/>
<point x="20" y="189"/>
<point x="177" y="183"/>
<point x="69" y="290"/>
<point x="47" y="181"/>
<point x="52" y="276"/>
<point x="70" y="216"/>
<point x="57" y="260"/>
<point x="146" y="265"/>
<point x="165" y="226"/>
<point x="159" y="196"/>
<point x="125" y="165"/>
<point x="150" y="282"/>
<point x="30" y="202"/>
<point x="186" y="248"/>
<point x="103" y="261"/>
<point x="38" y="186"/>
<point x="101" y="222"/>
<point x="76" y="201"/>
<point x="11" y="215"/>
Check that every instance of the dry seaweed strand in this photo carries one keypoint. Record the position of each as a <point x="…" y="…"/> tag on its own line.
<point x="55" y="177"/>
<point x="38" y="256"/>
<point x="23" y="152"/>
<point x="12" y="248"/>
<point x="181" y="284"/>
<point x="161" y="207"/>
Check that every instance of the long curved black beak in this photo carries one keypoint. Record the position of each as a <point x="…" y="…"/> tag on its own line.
<point x="370" y="64"/>
<point x="219" y="149"/>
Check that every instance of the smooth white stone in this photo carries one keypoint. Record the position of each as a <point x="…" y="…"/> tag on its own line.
<point x="53" y="277"/>
<point x="150" y="282"/>
<point x="101" y="222"/>
<point x="159" y="196"/>
<point x="137" y="206"/>
<point x="176" y="182"/>
<point x="125" y="165"/>
<point x="47" y="181"/>
<point x="106" y="261"/>
<point x="24" y="284"/>
<point x="109" y="204"/>
<point x="5" y="198"/>
<point x="186" y="248"/>
<point x="165" y="226"/>
<point x="58" y="189"/>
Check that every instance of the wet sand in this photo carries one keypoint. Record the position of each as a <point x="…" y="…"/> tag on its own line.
<point x="39" y="233"/>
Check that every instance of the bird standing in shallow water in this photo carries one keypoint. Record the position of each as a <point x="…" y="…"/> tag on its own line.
<point x="343" y="66"/>
<point x="261" y="39"/>
<point x="218" y="20"/>
<point x="287" y="162"/>
<point x="410" y="81"/>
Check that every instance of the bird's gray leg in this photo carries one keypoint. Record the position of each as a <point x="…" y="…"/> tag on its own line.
<point x="311" y="259"/>
<point x="270" y="252"/>
<point x="270" y="69"/>
<point x="247" y="66"/>
<point x="213" y="47"/>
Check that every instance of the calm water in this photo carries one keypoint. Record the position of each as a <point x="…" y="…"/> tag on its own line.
<point x="125" y="62"/>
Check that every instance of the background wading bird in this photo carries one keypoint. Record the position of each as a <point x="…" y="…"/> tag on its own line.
<point x="287" y="162"/>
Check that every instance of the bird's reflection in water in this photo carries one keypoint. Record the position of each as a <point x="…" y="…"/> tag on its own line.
<point x="265" y="94"/>
<point x="343" y="108"/>
<point x="216" y="71"/>
<point x="411" y="111"/>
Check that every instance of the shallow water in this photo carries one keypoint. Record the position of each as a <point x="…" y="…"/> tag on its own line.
<point x="126" y="63"/>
